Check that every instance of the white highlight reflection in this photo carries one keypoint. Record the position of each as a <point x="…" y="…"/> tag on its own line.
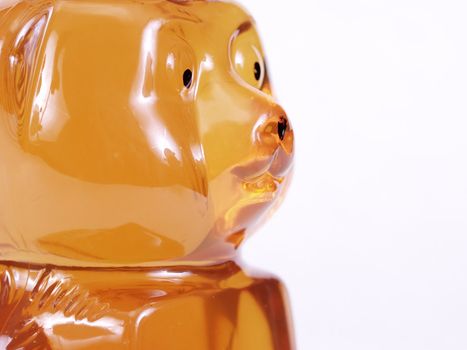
<point x="4" y="341"/>
<point x="144" y="98"/>
<point x="48" y="321"/>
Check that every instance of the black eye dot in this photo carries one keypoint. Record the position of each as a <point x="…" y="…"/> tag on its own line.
<point x="257" y="71"/>
<point x="187" y="78"/>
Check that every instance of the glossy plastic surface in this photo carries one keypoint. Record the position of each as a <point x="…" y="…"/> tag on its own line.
<point x="110" y="155"/>
<point x="214" y="308"/>
<point x="133" y="134"/>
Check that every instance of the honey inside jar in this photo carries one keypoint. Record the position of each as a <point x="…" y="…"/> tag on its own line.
<point x="136" y="137"/>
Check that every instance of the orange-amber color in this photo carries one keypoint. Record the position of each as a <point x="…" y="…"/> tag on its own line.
<point x="139" y="145"/>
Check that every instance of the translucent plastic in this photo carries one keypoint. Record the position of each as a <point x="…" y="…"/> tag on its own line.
<point x="210" y="308"/>
<point x="139" y="140"/>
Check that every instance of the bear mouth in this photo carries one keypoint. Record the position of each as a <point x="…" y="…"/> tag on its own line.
<point x="263" y="184"/>
<point x="262" y="178"/>
<point x="264" y="187"/>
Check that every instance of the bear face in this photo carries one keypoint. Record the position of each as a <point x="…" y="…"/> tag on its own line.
<point x="135" y="132"/>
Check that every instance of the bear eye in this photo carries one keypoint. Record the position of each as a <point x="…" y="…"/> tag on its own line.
<point x="187" y="78"/>
<point x="180" y="65"/>
<point x="247" y="58"/>
<point x="257" y="71"/>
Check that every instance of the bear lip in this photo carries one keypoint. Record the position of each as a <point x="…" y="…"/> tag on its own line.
<point x="265" y="180"/>
<point x="265" y="183"/>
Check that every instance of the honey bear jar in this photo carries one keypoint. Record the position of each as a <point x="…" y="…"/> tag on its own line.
<point x="140" y="144"/>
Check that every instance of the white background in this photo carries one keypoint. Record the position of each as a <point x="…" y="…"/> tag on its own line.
<point x="372" y="239"/>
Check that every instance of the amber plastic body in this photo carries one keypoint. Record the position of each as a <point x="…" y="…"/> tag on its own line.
<point x="139" y="145"/>
<point x="181" y="308"/>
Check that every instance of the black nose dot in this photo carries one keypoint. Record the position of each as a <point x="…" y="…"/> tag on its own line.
<point x="282" y="128"/>
<point x="187" y="78"/>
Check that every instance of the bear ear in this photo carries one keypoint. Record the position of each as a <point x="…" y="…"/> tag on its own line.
<point x="22" y="28"/>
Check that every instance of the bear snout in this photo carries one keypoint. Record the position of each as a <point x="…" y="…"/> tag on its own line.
<point x="275" y="141"/>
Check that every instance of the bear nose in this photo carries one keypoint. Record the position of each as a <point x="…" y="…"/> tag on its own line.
<point x="282" y="126"/>
<point x="285" y="134"/>
<point x="275" y="133"/>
